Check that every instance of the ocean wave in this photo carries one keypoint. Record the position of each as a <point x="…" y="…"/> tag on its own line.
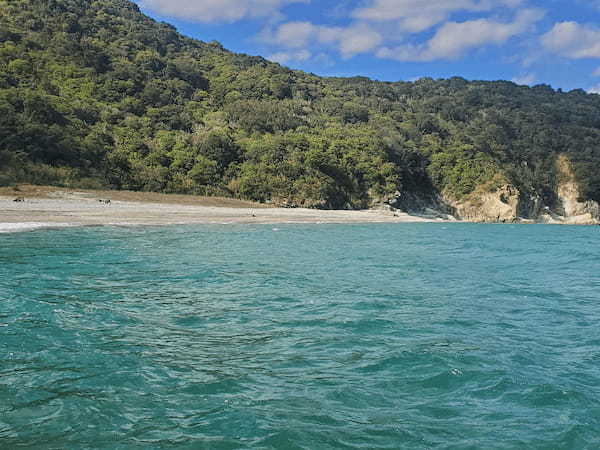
<point x="20" y="227"/>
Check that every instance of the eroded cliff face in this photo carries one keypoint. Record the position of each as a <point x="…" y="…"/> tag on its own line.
<point x="499" y="201"/>
<point x="507" y="204"/>
<point x="485" y="204"/>
<point x="571" y="210"/>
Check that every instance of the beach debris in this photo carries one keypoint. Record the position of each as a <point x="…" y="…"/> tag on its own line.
<point x="19" y="200"/>
<point x="106" y="202"/>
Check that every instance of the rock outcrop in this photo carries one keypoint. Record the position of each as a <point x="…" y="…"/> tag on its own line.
<point x="499" y="201"/>
<point x="428" y="205"/>
<point x="498" y="204"/>
<point x="571" y="209"/>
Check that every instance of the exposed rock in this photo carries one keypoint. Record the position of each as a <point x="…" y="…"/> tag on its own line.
<point x="572" y="210"/>
<point x="431" y="206"/>
<point x="500" y="201"/>
<point x="489" y="205"/>
<point x="531" y="207"/>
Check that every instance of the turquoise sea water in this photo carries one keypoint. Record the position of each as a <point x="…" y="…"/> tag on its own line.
<point x="409" y="336"/>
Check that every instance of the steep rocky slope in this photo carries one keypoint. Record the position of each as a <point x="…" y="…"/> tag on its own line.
<point x="572" y="209"/>
<point x="500" y="201"/>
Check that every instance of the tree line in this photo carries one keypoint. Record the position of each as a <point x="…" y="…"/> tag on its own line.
<point x="95" y="94"/>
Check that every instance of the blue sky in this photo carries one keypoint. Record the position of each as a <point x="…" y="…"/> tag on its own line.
<point x="554" y="42"/>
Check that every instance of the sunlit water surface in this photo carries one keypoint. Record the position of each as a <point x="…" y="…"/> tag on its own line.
<point x="409" y="336"/>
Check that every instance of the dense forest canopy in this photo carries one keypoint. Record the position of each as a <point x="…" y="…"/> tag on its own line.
<point x="95" y="94"/>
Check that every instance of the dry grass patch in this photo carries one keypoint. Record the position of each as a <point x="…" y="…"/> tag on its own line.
<point x="32" y="192"/>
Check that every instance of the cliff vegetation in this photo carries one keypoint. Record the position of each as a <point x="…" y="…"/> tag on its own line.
<point x="95" y="94"/>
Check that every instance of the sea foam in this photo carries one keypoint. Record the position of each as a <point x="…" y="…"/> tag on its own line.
<point x="31" y="226"/>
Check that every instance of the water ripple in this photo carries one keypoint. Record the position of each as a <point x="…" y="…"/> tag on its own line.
<point x="411" y="336"/>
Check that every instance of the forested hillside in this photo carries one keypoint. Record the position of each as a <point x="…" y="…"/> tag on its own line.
<point x="95" y="94"/>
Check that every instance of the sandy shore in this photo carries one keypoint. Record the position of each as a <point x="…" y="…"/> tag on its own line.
<point x="62" y="208"/>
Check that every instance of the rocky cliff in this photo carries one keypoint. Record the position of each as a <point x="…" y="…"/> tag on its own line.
<point x="499" y="201"/>
<point x="570" y="210"/>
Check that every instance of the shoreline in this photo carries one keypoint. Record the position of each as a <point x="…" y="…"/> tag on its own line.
<point x="58" y="208"/>
<point x="47" y="207"/>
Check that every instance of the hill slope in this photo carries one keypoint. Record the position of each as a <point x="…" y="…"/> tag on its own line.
<point x="95" y="94"/>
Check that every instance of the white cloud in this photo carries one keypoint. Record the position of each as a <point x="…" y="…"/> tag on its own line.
<point x="594" y="90"/>
<point x="351" y="40"/>
<point x="453" y="39"/>
<point x="358" y="39"/>
<point x="573" y="40"/>
<point x="526" y="80"/>
<point x="382" y="24"/>
<point x="292" y="34"/>
<point x="286" y="57"/>
<point x="418" y="15"/>
<point x="216" y="10"/>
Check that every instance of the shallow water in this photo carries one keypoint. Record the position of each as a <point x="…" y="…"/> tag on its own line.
<point x="312" y="336"/>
